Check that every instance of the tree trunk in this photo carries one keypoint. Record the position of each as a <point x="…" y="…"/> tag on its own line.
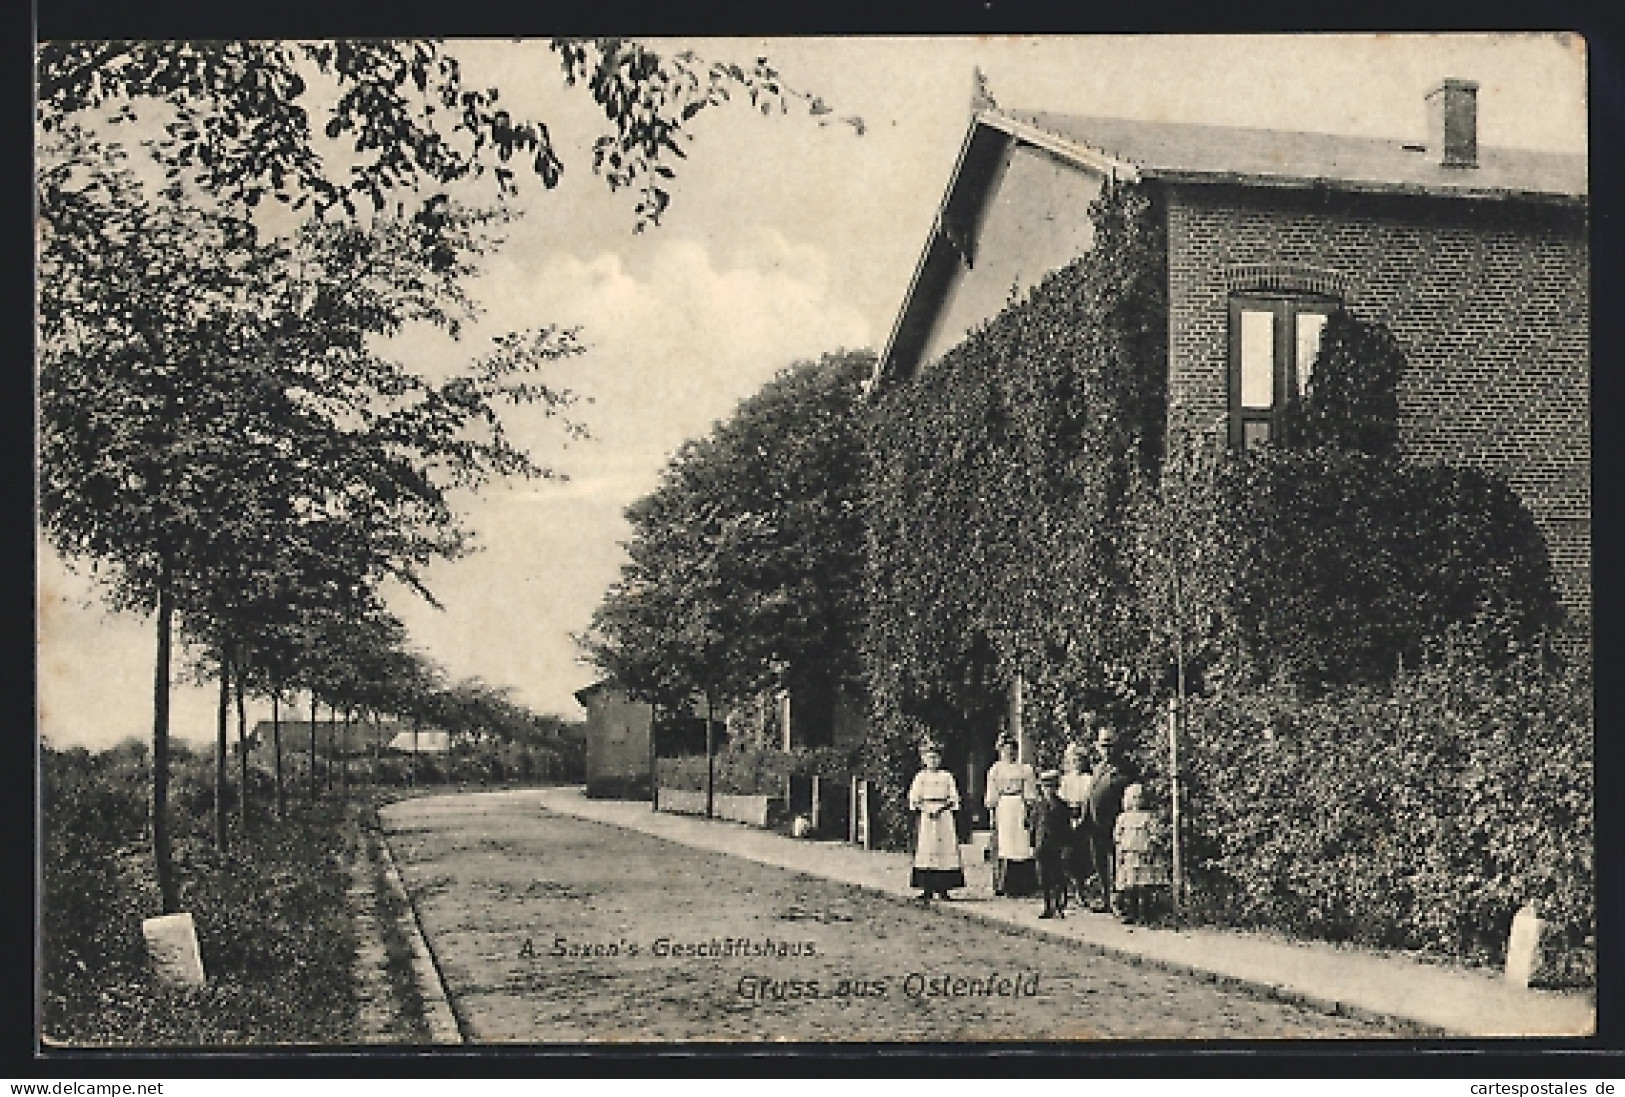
<point x="332" y="722"/>
<point x="220" y="837"/>
<point x="344" y="756"/>
<point x="710" y="762"/>
<point x="276" y="742"/>
<point x="242" y="757"/>
<point x="313" y="746"/>
<point x="162" y="855"/>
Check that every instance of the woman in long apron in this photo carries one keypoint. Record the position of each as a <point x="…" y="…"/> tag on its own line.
<point x="935" y="796"/>
<point x="1011" y="786"/>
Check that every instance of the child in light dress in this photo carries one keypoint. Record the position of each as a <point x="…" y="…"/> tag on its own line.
<point x="1142" y="864"/>
<point x="1074" y="789"/>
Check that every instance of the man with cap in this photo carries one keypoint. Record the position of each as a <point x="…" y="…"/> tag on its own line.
<point x="1052" y="837"/>
<point x="1113" y="773"/>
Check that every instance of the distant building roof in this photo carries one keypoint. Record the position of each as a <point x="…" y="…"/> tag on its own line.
<point x="423" y="742"/>
<point x="362" y="734"/>
<point x="1266" y="157"/>
<point x="597" y="687"/>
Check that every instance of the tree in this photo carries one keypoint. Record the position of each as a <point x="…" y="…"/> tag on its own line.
<point x="746" y="562"/>
<point x="155" y="309"/>
<point x="1352" y="401"/>
<point x="237" y="115"/>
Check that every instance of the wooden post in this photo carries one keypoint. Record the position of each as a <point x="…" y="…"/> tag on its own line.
<point x="654" y="764"/>
<point x="852" y="811"/>
<point x="276" y="743"/>
<point x="1023" y="754"/>
<point x="313" y="773"/>
<point x="220" y="747"/>
<point x="1175" y="790"/>
<point x="1176" y="714"/>
<point x="813" y="816"/>
<point x="863" y="813"/>
<point x="242" y="753"/>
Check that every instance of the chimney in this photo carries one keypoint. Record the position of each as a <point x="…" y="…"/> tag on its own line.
<point x="1453" y="123"/>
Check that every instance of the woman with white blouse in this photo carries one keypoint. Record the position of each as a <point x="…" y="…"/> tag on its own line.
<point x="935" y="797"/>
<point x="1011" y="786"/>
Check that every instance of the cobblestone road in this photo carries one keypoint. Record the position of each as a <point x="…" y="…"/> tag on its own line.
<point x="552" y="929"/>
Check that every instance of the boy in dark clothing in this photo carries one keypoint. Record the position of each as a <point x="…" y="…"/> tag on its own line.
<point x="1052" y="838"/>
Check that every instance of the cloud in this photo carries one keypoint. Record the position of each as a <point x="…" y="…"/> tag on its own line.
<point x="675" y="340"/>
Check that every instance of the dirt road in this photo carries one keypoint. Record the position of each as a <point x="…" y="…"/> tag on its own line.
<point x="551" y="929"/>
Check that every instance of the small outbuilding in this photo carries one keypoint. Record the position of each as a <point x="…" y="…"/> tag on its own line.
<point x="619" y="742"/>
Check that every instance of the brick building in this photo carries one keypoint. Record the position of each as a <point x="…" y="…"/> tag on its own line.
<point x="1475" y="257"/>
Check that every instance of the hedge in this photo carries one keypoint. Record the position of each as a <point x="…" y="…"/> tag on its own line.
<point x="1418" y="816"/>
<point x="757" y="772"/>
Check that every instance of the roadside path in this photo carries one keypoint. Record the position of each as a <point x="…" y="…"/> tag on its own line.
<point x="400" y="999"/>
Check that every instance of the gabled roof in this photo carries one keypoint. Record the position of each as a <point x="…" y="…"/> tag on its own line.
<point x="1127" y="149"/>
<point x="603" y="684"/>
<point x="1265" y="157"/>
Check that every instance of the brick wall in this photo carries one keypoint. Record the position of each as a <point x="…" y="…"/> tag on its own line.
<point x="1490" y="300"/>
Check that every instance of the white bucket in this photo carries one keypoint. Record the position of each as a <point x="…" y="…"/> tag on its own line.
<point x="980" y="846"/>
<point x="172" y="947"/>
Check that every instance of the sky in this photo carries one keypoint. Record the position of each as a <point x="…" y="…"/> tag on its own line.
<point x="784" y="239"/>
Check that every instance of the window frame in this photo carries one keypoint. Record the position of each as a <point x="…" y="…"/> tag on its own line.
<point x="1284" y="308"/>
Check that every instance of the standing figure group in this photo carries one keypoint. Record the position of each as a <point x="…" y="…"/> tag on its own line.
<point x="1051" y="832"/>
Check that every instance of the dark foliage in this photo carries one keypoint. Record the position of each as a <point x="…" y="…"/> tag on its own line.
<point x="999" y="486"/>
<point x="1420" y="815"/>
<point x="1348" y="566"/>
<point x="1353" y="399"/>
<point x="273" y="926"/>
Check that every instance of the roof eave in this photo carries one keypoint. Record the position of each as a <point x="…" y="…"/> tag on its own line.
<point x="883" y="365"/>
<point x="1073" y="152"/>
<point x="1243" y="179"/>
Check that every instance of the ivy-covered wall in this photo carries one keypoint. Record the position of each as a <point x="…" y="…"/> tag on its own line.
<point x="998" y="486"/>
<point x="1365" y="639"/>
